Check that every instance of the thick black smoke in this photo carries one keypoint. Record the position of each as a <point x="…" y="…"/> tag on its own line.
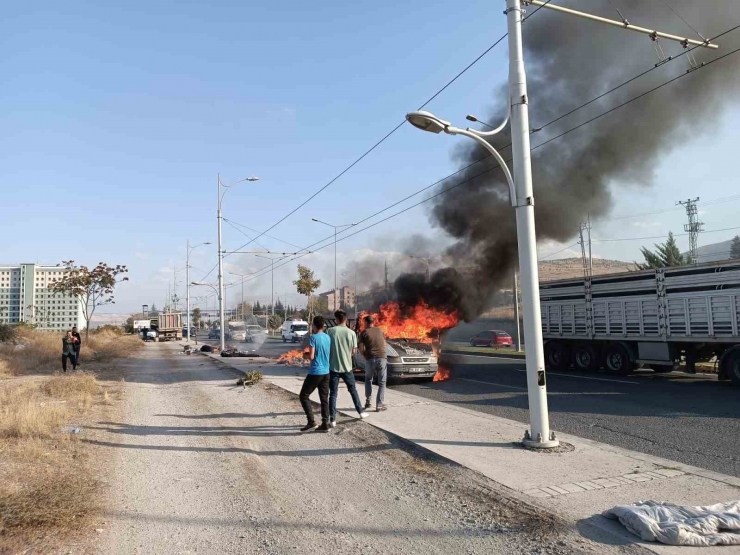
<point x="570" y="61"/>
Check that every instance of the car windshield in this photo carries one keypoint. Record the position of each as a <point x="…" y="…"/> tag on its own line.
<point x="502" y="334"/>
<point x="299" y="327"/>
<point x="254" y="328"/>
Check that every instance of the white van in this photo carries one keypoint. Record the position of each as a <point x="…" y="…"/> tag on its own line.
<point x="294" y="330"/>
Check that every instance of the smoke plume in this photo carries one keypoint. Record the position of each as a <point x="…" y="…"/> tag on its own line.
<point x="570" y="61"/>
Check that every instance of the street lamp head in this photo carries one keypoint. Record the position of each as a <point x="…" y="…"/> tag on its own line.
<point x="253" y="178"/>
<point x="207" y="243"/>
<point x="426" y="121"/>
<point x="314" y="220"/>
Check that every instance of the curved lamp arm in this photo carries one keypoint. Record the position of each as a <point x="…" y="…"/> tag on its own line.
<point x="468" y="133"/>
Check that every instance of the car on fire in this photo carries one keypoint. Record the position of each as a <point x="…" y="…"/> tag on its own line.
<point x="492" y="338"/>
<point x="406" y="360"/>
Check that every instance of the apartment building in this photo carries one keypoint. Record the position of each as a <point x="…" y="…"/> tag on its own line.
<point x="345" y="298"/>
<point x="25" y="297"/>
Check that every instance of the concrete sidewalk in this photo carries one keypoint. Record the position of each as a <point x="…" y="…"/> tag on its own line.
<point x="578" y="483"/>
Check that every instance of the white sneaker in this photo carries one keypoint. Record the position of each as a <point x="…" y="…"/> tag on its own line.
<point x="364" y="415"/>
<point x="333" y="424"/>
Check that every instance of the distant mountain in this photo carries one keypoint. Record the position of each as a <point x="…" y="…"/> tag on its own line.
<point x="713" y="252"/>
<point x="565" y="268"/>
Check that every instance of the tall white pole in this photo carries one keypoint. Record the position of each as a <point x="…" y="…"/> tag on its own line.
<point x="187" y="287"/>
<point x="242" y="298"/>
<point x="272" y="285"/>
<point x="516" y="314"/>
<point x="335" y="268"/>
<point x="539" y="433"/>
<point x="220" y="268"/>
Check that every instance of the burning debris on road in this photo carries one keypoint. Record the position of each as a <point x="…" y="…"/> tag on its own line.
<point x="292" y="358"/>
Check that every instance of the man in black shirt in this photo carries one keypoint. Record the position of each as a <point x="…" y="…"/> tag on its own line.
<point x="78" y="344"/>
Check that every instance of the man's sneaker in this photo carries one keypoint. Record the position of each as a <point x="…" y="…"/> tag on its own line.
<point x="324" y="428"/>
<point x="332" y="423"/>
<point x="363" y="415"/>
<point x="309" y="427"/>
<point x="368" y="404"/>
<point x="381" y="408"/>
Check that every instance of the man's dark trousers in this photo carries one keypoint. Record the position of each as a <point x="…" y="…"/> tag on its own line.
<point x="77" y="353"/>
<point x="349" y="380"/>
<point x="71" y="359"/>
<point x="310" y="384"/>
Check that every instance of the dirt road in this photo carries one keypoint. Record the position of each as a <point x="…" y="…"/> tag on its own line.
<point x="201" y="466"/>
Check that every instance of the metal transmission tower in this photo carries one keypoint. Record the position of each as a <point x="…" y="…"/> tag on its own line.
<point x="694" y="227"/>
<point x="588" y="269"/>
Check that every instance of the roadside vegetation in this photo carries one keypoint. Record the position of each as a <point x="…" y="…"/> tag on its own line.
<point x="29" y="351"/>
<point x="48" y="479"/>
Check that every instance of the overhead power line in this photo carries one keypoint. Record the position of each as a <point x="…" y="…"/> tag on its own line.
<point x="447" y="189"/>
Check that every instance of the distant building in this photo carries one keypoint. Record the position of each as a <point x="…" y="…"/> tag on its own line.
<point x="25" y="297"/>
<point x="345" y="298"/>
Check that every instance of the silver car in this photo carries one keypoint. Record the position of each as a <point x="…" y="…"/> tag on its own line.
<point x="256" y="334"/>
<point x="406" y="360"/>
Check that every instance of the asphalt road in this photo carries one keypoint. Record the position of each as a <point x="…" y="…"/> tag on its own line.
<point x="691" y="419"/>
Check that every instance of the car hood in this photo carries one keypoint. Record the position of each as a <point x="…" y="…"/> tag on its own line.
<point x="404" y="347"/>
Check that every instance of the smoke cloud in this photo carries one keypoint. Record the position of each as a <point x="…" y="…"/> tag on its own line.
<point x="570" y="61"/>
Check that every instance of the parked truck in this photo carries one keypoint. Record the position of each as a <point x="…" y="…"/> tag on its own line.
<point x="168" y="326"/>
<point x="654" y="318"/>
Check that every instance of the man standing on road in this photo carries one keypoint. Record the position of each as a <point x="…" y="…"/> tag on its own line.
<point x="319" y="348"/>
<point x="343" y="346"/>
<point x="372" y="347"/>
<point x="78" y="345"/>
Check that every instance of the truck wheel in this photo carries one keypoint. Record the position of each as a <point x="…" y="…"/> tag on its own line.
<point x="586" y="358"/>
<point x="284" y="340"/>
<point x="617" y="360"/>
<point x="557" y="356"/>
<point x="733" y="367"/>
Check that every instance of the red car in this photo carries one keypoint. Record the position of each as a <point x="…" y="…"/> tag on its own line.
<point x="492" y="338"/>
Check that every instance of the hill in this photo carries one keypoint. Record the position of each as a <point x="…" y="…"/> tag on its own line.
<point x="714" y="252"/>
<point x="565" y="268"/>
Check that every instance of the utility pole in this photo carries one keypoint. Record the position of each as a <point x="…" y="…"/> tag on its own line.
<point x="590" y="258"/>
<point x="386" y="278"/>
<point x="694" y="227"/>
<point x="516" y="313"/>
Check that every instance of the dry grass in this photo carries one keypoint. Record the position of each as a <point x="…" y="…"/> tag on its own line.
<point x="39" y="352"/>
<point x="500" y="313"/>
<point x="46" y="485"/>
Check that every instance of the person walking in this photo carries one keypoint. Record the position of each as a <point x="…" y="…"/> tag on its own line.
<point x="343" y="347"/>
<point x="319" y="348"/>
<point x="372" y="347"/>
<point x="68" y="351"/>
<point x="78" y="345"/>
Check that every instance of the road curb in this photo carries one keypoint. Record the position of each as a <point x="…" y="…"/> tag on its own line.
<point x="482" y="354"/>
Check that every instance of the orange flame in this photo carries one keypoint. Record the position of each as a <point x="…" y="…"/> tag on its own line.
<point x="420" y="323"/>
<point x="293" y="358"/>
<point x="442" y="374"/>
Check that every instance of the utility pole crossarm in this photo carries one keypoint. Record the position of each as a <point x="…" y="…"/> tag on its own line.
<point x="652" y="33"/>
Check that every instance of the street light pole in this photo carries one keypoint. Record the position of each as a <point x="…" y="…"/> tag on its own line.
<point x="188" y="250"/>
<point x="522" y="199"/>
<point x="221" y="250"/>
<point x="336" y="227"/>
<point x="539" y="435"/>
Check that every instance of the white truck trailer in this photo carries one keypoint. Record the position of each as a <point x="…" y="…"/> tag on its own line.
<point x="654" y="318"/>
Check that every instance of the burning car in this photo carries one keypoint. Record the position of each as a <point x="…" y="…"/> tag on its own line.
<point x="406" y="360"/>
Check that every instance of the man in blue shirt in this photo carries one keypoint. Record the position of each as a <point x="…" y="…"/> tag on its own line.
<point x="319" y="348"/>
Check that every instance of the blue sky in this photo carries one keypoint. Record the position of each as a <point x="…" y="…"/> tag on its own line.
<point x="116" y="119"/>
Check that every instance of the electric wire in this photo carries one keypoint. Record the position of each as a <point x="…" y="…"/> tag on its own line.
<point x="445" y="190"/>
<point x="678" y="15"/>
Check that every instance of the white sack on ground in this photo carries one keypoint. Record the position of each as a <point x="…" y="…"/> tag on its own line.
<point x="681" y="525"/>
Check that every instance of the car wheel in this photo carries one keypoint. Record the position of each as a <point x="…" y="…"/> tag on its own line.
<point x="617" y="360"/>
<point x="491" y="343"/>
<point x="472" y="343"/>
<point x="586" y="358"/>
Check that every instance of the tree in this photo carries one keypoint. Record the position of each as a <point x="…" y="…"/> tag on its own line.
<point x="92" y="287"/>
<point x="306" y="284"/>
<point x="664" y="255"/>
<point x="129" y="326"/>
<point x="735" y="247"/>
<point x="275" y="321"/>
<point x="196" y="317"/>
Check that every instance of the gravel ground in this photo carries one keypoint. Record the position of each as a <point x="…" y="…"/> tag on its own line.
<point x="201" y="466"/>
